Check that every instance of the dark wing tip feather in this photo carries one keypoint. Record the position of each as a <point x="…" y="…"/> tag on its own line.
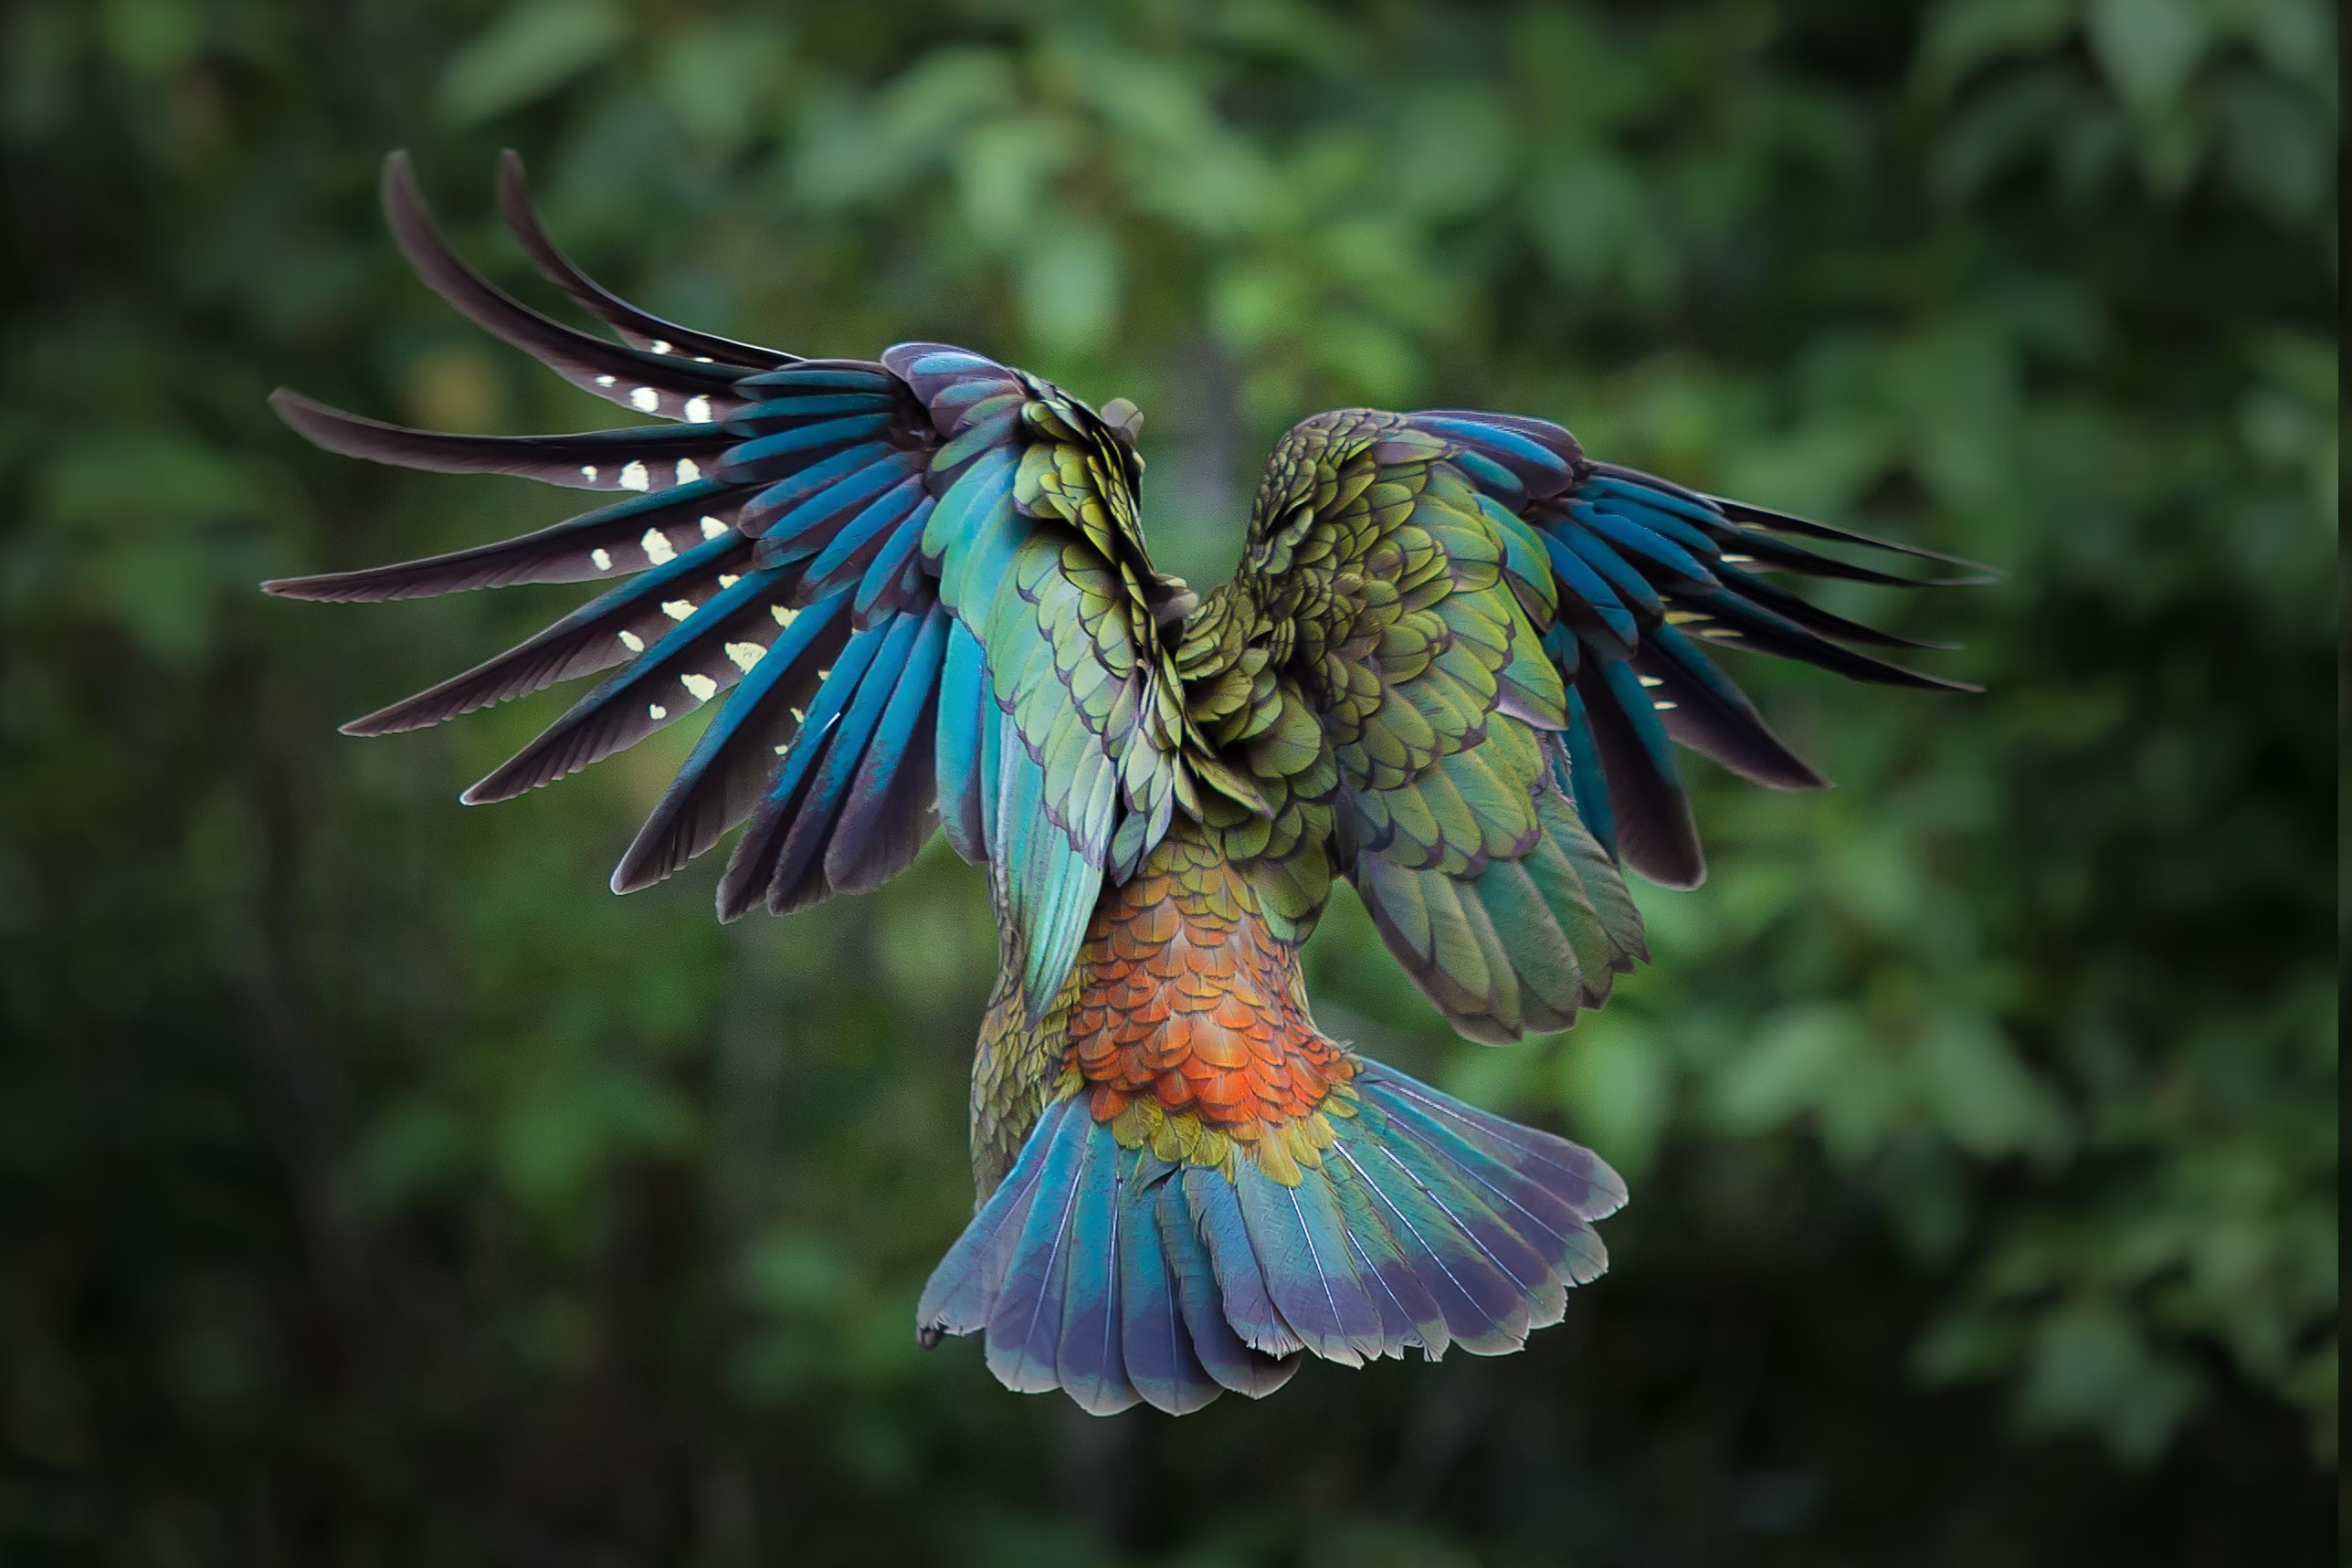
<point x="356" y="436"/>
<point x="1743" y="513"/>
<point x="641" y="328"/>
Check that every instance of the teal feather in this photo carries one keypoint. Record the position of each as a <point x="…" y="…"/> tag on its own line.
<point x="1631" y="587"/>
<point x="1090" y="1359"/>
<point x="962" y="1292"/>
<point x="965" y="710"/>
<point x="1162" y="1362"/>
<point x="724" y="775"/>
<point x="1204" y="1295"/>
<point x="1248" y="1306"/>
<point x="1025" y="1322"/>
<point x="1302" y="1252"/>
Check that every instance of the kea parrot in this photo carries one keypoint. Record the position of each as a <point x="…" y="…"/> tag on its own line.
<point x="913" y="592"/>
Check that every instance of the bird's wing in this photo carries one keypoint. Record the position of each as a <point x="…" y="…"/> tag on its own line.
<point x="919" y="582"/>
<point x="1500" y="641"/>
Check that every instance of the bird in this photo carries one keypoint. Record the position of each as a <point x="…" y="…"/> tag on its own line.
<point x="911" y="594"/>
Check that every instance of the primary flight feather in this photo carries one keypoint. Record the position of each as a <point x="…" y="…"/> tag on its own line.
<point x="1451" y="671"/>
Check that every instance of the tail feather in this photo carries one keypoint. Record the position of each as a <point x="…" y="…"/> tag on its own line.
<point x="1090" y="1361"/>
<point x="1450" y="1191"/>
<point x="1025" y="1322"/>
<point x="1242" y="1283"/>
<point x="1409" y="1312"/>
<point x="1302" y="1247"/>
<point x="1199" y="1296"/>
<point x="1482" y="1313"/>
<point x="1154" y="1336"/>
<point x="1118" y="1276"/>
<point x="964" y="1289"/>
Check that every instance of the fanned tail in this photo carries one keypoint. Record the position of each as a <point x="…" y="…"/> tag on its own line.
<point x="1120" y="1277"/>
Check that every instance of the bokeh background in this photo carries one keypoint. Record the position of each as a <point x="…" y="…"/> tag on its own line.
<point x="377" y="1189"/>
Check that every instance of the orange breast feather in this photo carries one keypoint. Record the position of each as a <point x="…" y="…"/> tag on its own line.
<point x="1189" y="1030"/>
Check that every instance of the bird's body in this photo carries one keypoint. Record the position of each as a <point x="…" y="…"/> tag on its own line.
<point x="1447" y="672"/>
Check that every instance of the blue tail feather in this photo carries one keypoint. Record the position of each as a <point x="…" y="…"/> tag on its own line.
<point x="1161" y="1361"/>
<point x="1118" y="1276"/>
<point x="1248" y="1305"/>
<point x="1449" y="1190"/>
<point x="1298" y="1238"/>
<point x="1483" y="1312"/>
<point x="962" y="1292"/>
<point x="1230" y="1363"/>
<point x="1408" y="1312"/>
<point x="1089" y="1360"/>
<point x="1025" y="1325"/>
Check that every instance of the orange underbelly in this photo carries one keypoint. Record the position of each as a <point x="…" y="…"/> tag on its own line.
<point x="1185" y="1001"/>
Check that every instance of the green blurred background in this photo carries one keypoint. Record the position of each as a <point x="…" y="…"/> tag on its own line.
<point x="377" y="1189"/>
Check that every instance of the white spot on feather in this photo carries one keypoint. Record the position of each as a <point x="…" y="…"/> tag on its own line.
<point x="659" y="346"/>
<point x="601" y="558"/>
<point x="698" y="409"/>
<point x="655" y="711"/>
<point x="1649" y="680"/>
<point x="603" y="381"/>
<point x="635" y="478"/>
<point x="703" y="687"/>
<point x="656" y="548"/>
<point x="783" y="614"/>
<point x="728" y="579"/>
<point x="1738" y="560"/>
<point x="1662" y="707"/>
<point x="688" y="470"/>
<point x="713" y="528"/>
<point x="645" y="400"/>
<point x="588" y="472"/>
<point x="744" y="655"/>
<point x="632" y="642"/>
<point x="677" y="609"/>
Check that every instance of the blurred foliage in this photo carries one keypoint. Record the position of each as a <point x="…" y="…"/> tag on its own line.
<point x="377" y="1189"/>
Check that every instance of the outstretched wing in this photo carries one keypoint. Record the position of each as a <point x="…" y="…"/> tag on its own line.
<point x="918" y="581"/>
<point x="1498" y="640"/>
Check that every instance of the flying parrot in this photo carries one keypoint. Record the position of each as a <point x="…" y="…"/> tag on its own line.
<point x="912" y="592"/>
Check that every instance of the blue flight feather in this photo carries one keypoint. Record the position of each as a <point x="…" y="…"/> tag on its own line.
<point x="1586" y="782"/>
<point x="752" y="461"/>
<point x="1631" y="586"/>
<point x="884" y="513"/>
<point x="1582" y="585"/>
<point x="845" y="750"/>
<point x="1630" y="534"/>
<point x="811" y="375"/>
<point x="759" y="513"/>
<point x="965" y="706"/>
<point x="897" y="554"/>
<point x="801" y="529"/>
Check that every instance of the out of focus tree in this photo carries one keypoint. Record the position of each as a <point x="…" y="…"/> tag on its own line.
<point x="374" y="1187"/>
